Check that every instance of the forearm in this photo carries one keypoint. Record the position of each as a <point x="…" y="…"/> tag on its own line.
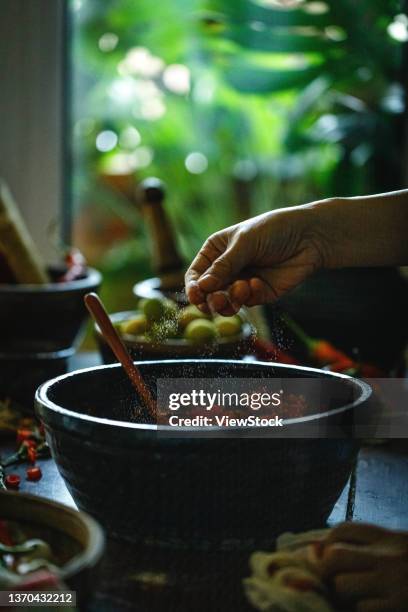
<point x="361" y="231"/>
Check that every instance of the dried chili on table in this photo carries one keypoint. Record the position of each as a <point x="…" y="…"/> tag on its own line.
<point x="12" y="481"/>
<point x="32" y="454"/>
<point x="34" y="473"/>
<point x="32" y="446"/>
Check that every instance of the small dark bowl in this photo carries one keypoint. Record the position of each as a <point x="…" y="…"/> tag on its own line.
<point x="75" y="538"/>
<point x="172" y="348"/>
<point x="195" y="491"/>
<point x="44" y="318"/>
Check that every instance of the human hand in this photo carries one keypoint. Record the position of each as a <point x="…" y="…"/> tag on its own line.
<point x="256" y="261"/>
<point x="367" y="566"/>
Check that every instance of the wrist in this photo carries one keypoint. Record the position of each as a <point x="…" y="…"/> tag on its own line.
<point x="321" y="230"/>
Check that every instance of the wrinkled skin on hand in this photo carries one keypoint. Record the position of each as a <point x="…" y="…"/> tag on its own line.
<point x="254" y="262"/>
<point x="259" y="260"/>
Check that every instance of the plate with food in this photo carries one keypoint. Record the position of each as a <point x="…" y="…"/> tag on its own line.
<point x="160" y="328"/>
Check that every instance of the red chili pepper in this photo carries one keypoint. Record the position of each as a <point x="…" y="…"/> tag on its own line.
<point x="31" y="454"/>
<point x="325" y="354"/>
<point x="12" y="481"/>
<point x="33" y="473"/>
<point x="30" y="443"/>
<point x="24" y="434"/>
<point x="76" y="266"/>
<point x="74" y="257"/>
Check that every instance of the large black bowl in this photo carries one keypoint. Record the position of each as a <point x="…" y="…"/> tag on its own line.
<point x="76" y="540"/>
<point x="44" y="318"/>
<point x="195" y="491"/>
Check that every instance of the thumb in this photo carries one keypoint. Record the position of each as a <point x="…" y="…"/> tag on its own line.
<point x="224" y="269"/>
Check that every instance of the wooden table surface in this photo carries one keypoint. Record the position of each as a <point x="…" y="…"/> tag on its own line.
<point x="379" y="494"/>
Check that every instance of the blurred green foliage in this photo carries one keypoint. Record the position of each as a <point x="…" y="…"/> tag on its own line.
<point x="282" y="106"/>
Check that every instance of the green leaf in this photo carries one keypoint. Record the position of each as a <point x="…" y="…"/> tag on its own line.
<point x="309" y="97"/>
<point x="253" y="80"/>
<point x="270" y="41"/>
<point x="243" y="11"/>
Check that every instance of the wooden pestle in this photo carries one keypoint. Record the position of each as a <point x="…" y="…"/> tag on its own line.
<point x="167" y="262"/>
<point x="21" y="257"/>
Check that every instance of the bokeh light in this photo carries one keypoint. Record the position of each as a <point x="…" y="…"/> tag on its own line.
<point x="130" y="138"/>
<point x="106" y="141"/>
<point x="196" y="162"/>
<point x="108" y="42"/>
<point x="398" y="29"/>
<point x="176" y="78"/>
<point x="139" y="61"/>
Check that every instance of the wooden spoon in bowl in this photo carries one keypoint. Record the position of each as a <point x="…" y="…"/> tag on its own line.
<point x="111" y="336"/>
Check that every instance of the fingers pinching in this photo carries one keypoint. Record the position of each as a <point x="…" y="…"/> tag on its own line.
<point x="201" y="263"/>
<point x="209" y="283"/>
<point x="224" y="269"/>
<point x="239" y="292"/>
<point x="194" y="293"/>
<point x="204" y="308"/>
<point x="257" y="292"/>
<point x="219" y="302"/>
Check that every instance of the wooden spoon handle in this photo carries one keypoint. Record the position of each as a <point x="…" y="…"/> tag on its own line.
<point x="98" y="312"/>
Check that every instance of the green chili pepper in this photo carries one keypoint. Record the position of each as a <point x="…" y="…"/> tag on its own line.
<point x="43" y="450"/>
<point x="18" y="457"/>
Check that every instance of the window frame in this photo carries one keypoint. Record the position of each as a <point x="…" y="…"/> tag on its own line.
<point x="34" y="107"/>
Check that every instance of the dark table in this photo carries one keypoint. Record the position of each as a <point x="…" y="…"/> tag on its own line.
<point x="377" y="493"/>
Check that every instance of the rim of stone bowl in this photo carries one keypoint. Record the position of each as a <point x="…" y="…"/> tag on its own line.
<point x="93" y="278"/>
<point x="42" y="400"/>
